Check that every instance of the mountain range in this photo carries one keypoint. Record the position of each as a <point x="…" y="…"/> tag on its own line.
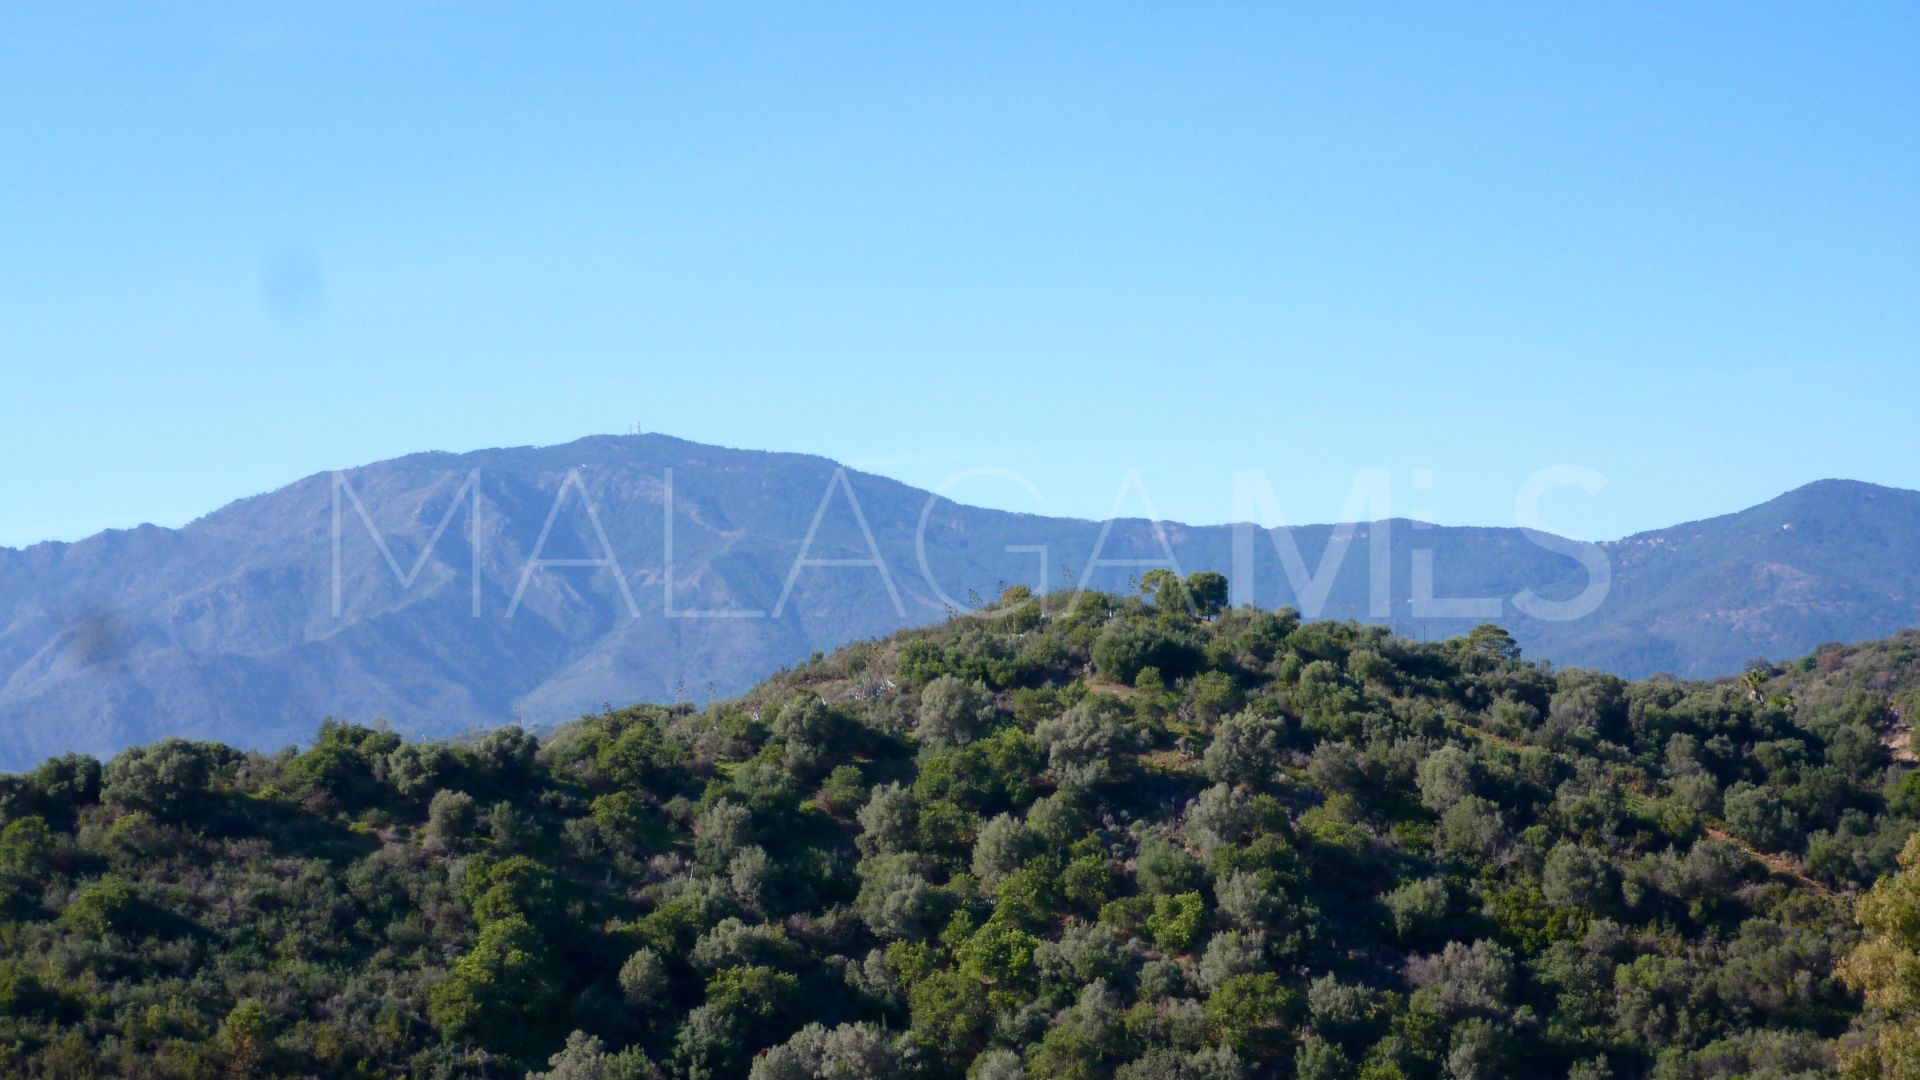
<point x="445" y="592"/>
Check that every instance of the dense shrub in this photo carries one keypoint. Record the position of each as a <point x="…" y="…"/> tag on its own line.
<point x="1147" y="837"/>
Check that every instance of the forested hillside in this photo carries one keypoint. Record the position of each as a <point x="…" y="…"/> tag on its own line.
<point x="1142" y="836"/>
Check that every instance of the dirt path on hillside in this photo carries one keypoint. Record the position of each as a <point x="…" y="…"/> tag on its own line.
<point x="1777" y="863"/>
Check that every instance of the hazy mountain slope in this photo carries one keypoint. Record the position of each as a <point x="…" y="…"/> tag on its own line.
<point x="226" y="628"/>
<point x="1832" y="561"/>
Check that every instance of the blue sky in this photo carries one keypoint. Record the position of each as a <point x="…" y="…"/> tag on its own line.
<point x="1676" y="245"/>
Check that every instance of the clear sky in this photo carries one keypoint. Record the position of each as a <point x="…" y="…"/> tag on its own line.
<point x="1678" y="245"/>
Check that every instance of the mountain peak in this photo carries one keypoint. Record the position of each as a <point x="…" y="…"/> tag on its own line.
<point x="1832" y="501"/>
<point x="243" y="626"/>
<point x="1835" y="486"/>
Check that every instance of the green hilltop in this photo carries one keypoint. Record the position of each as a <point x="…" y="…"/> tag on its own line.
<point x="1143" y="836"/>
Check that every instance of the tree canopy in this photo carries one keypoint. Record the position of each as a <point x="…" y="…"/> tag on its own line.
<point x="1064" y="836"/>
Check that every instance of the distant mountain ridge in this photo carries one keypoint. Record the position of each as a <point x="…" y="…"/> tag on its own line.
<point x="227" y="628"/>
